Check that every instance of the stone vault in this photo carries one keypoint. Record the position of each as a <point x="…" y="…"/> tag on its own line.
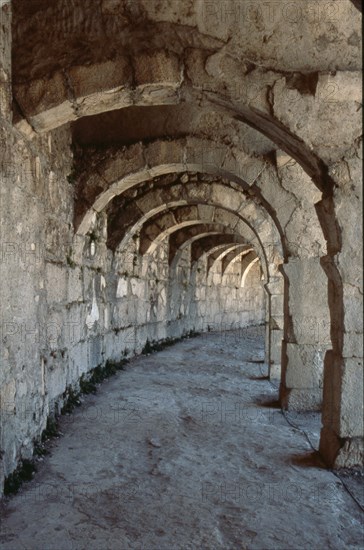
<point x="170" y="167"/>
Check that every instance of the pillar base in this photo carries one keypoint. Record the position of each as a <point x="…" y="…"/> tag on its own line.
<point x="301" y="400"/>
<point x="341" y="452"/>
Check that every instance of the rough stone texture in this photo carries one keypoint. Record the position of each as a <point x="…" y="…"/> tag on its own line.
<point x="133" y="131"/>
<point x="33" y="281"/>
<point x="308" y="337"/>
<point x="197" y="459"/>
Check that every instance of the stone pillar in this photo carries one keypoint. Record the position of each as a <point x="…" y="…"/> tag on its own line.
<point x="306" y="335"/>
<point x="275" y="290"/>
<point x="267" y="327"/>
<point x="341" y="443"/>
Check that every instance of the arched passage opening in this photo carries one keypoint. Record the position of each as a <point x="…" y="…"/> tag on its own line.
<point x="278" y="136"/>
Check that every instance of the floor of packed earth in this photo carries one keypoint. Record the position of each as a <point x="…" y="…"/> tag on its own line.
<point x="184" y="449"/>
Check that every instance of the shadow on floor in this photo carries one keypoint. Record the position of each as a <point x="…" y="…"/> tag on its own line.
<point x="311" y="459"/>
<point x="267" y="401"/>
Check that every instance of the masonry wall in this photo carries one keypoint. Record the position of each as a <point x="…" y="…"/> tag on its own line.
<point x="34" y="279"/>
<point x="70" y="303"/>
<point x="220" y="302"/>
<point x="155" y="301"/>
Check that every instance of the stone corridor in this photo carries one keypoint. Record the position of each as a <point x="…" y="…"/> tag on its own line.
<point x="171" y="168"/>
<point x="184" y="449"/>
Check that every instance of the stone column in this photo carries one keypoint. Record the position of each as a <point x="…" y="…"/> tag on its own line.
<point x="275" y="290"/>
<point x="341" y="443"/>
<point x="306" y="334"/>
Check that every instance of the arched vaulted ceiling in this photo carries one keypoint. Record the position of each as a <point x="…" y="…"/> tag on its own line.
<point x="80" y="26"/>
<point x="220" y="252"/>
<point x="233" y="255"/>
<point x="205" y="196"/>
<point x="109" y="54"/>
<point x="146" y="85"/>
<point x="201" y="237"/>
<point x="158" y="88"/>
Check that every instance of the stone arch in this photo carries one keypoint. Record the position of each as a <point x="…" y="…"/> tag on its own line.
<point x="180" y="58"/>
<point x="276" y="312"/>
<point x="201" y="243"/>
<point x="123" y="169"/>
<point x="215" y="246"/>
<point x="191" y="214"/>
<point x="248" y="263"/>
<point x="280" y="126"/>
<point x="221" y="253"/>
<point x="212" y="160"/>
<point x="231" y="256"/>
<point x="205" y="196"/>
<point x="227" y="254"/>
<point x="205" y="157"/>
<point x="159" y="80"/>
<point x="129" y="167"/>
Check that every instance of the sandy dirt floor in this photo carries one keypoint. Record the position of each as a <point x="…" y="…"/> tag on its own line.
<point x="185" y="449"/>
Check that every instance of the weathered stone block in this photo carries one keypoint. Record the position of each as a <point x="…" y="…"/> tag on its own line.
<point x="305" y="366"/>
<point x="56" y="281"/>
<point x="352" y="391"/>
<point x="157" y="67"/>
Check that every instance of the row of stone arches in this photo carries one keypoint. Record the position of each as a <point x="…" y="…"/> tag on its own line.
<point x="180" y="215"/>
<point x="166" y="164"/>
